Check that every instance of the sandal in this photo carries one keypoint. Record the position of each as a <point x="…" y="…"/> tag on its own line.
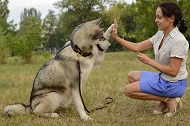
<point x="158" y="112"/>
<point x="177" y="104"/>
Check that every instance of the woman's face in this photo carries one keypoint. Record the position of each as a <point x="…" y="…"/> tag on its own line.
<point x="163" y="22"/>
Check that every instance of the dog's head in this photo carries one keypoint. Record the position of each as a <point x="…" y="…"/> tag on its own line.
<point x="89" y="35"/>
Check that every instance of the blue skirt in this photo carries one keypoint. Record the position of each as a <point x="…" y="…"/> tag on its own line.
<point x="153" y="83"/>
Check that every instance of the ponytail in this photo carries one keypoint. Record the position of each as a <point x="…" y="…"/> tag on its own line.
<point x="182" y="27"/>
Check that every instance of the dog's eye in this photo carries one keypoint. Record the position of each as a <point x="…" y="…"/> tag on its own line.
<point x="102" y="38"/>
<point x="96" y="36"/>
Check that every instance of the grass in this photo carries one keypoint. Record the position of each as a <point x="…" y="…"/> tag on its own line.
<point x="107" y="81"/>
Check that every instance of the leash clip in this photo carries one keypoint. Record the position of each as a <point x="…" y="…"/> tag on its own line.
<point x="78" y="55"/>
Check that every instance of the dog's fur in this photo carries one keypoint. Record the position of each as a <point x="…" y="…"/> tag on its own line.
<point x="57" y="82"/>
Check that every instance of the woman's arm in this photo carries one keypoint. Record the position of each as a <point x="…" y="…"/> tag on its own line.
<point x="136" y="47"/>
<point x="172" y="69"/>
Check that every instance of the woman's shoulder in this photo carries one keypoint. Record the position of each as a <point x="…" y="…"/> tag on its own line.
<point x="159" y="32"/>
<point x="176" y="34"/>
<point x="158" y="35"/>
<point x="179" y="40"/>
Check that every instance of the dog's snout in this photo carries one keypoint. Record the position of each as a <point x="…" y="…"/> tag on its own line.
<point x="109" y="44"/>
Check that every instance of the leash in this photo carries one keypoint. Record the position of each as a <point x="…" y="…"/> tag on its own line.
<point x="106" y="102"/>
<point x="78" y="64"/>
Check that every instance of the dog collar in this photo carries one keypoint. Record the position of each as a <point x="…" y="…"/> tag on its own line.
<point x="79" y="51"/>
<point x="100" y="48"/>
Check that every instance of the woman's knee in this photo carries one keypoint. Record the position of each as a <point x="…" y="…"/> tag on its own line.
<point x="133" y="76"/>
<point x="127" y="91"/>
<point x="131" y="90"/>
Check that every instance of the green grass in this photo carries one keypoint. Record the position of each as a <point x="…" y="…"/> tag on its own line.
<point x="108" y="80"/>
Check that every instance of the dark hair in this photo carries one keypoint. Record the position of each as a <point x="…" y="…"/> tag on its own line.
<point x="171" y="8"/>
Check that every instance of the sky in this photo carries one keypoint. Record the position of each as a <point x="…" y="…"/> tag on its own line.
<point x="16" y="6"/>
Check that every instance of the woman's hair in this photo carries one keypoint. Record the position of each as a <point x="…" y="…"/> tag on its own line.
<point x="171" y="8"/>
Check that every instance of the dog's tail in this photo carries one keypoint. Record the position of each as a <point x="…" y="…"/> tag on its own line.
<point x="15" y="109"/>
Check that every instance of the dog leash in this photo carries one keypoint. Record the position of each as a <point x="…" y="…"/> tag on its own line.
<point x="78" y="64"/>
<point x="106" y="102"/>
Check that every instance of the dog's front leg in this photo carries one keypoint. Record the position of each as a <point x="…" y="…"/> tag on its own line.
<point x="79" y="105"/>
<point x="107" y="34"/>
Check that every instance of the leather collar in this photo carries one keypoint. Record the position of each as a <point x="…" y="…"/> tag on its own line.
<point x="99" y="47"/>
<point x="79" y="51"/>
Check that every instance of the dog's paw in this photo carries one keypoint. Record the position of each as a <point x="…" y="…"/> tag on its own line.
<point x="8" y="114"/>
<point x="51" y="115"/>
<point x="107" y="34"/>
<point x="86" y="118"/>
<point x="110" y="28"/>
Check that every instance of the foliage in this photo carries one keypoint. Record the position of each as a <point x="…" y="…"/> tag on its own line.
<point x="49" y="25"/>
<point x="128" y="21"/>
<point x="136" y="22"/>
<point x="46" y="54"/>
<point x="27" y="17"/>
<point x="116" y="11"/>
<point x="29" y="34"/>
<point x="75" y="13"/>
<point x="144" y="15"/>
<point x="4" y="12"/>
<point x="11" y="43"/>
<point x="29" y="40"/>
<point x="3" y="48"/>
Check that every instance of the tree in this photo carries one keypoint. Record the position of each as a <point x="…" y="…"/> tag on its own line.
<point x="49" y="25"/>
<point x="26" y="16"/>
<point x="6" y="29"/>
<point x="3" y="49"/>
<point x="115" y="11"/>
<point x="75" y="13"/>
<point x="4" y="13"/>
<point x="144" y="18"/>
<point x="29" y="36"/>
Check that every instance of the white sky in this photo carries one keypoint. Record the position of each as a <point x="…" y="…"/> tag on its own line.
<point x="16" y="6"/>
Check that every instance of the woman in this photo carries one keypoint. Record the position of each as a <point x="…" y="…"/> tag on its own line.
<point x="171" y="52"/>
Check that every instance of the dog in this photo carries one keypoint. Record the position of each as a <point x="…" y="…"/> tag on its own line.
<point x="61" y="78"/>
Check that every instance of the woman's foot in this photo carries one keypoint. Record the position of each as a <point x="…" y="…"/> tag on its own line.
<point x="160" y="109"/>
<point x="172" y="104"/>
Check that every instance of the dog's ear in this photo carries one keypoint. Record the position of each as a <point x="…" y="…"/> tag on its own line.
<point x="97" y="33"/>
<point x="97" y="21"/>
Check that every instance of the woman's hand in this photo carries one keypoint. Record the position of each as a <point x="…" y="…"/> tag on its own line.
<point x="114" y="30"/>
<point x="144" y="58"/>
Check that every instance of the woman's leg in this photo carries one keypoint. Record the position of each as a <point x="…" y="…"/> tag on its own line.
<point x="133" y="91"/>
<point x="161" y="107"/>
<point x="134" y="76"/>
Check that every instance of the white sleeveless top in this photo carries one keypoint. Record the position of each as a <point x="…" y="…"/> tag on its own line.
<point x="175" y="45"/>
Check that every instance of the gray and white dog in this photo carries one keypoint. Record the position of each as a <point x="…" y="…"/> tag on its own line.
<point x="60" y="79"/>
